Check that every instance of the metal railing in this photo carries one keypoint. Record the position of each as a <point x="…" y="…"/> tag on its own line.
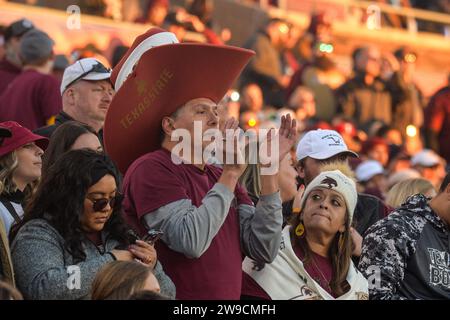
<point x="375" y="9"/>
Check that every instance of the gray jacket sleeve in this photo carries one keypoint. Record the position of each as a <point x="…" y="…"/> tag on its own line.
<point x="165" y="283"/>
<point x="41" y="269"/>
<point x="261" y="228"/>
<point x="188" y="229"/>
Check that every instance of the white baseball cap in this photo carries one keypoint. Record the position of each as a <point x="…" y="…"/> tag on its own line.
<point x="322" y="144"/>
<point x="368" y="169"/>
<point x="84" y="69"/>
<point x="425" y="158"/>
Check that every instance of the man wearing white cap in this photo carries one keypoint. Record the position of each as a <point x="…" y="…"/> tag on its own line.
<point x="321" y="146"/>
<point x="371" y="176"/>
<point x="86" y="93"/>
<point x="430" y="166"/>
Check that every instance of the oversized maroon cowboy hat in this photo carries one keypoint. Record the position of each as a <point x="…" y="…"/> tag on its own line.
<point x="156" y="77"/>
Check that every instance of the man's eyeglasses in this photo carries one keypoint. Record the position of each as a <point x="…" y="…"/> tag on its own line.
<point x="100" y="204"/>
<point x="98" y="68"/>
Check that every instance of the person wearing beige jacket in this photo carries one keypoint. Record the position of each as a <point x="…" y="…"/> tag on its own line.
<point x="314" y="260"/>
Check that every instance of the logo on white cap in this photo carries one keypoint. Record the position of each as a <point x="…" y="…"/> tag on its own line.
<point x="321" y="144"/>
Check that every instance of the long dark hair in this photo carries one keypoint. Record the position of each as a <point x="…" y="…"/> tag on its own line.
<point x="62" y="140"/>
<point x="60" y="197"/>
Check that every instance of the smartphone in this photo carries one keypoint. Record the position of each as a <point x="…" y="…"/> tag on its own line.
<point x="152" y="236"/>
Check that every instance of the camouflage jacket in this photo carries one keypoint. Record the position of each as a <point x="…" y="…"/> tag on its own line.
<point x="407" y="254"/>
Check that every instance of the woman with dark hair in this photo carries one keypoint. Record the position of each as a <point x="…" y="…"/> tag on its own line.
<point x="72" y="227"/>
<point x="71" y="135"/>
<point x="314" y="261"/>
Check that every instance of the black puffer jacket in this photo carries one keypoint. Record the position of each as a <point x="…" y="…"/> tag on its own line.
<point x="369" y="209"/>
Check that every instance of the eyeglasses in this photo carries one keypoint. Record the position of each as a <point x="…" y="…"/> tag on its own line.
<point x="98" y="68"/>
<point x="100" y="204"/>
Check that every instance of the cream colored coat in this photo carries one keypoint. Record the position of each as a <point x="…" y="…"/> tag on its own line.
<point x="286" y="278"/>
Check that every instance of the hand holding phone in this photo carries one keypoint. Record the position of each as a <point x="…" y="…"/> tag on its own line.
<point x="152" y="236"/>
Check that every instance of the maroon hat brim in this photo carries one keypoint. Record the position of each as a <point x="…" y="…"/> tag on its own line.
<point x="41" y="142"/>
<point x="165" y="78"/>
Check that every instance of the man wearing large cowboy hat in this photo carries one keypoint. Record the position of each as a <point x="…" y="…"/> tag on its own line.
<point x="208" y="220"/>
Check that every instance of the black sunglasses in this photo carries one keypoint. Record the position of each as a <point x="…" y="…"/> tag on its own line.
<point x="100" y="204"/>
<point x="98" y="68"/>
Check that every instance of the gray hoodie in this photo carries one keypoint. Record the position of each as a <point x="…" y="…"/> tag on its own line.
<point x="45" y="270"/>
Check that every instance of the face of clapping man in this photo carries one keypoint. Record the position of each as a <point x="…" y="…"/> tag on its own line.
<point x="202" y="110"/>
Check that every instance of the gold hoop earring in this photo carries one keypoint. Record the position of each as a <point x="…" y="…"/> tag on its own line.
<point x="300" y="229"/>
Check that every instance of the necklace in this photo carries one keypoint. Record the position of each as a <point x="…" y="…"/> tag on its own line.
<point x="325" y="281"/>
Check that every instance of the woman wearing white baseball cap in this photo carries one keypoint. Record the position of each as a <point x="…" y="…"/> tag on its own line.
<point x="314" y="261"/>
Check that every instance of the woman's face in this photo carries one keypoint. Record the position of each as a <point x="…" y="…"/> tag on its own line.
<point x="89" y="141"/>
<point x="105" y="188"/>
<point x="29" y="157"/>
<point x="151" y="283"/>
<point x="324" y="212"/>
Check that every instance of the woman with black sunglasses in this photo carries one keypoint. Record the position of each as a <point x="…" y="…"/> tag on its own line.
<point x="72" y="228"/>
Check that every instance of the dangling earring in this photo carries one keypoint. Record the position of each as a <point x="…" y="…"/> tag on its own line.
<point x="300" y="230"/>
<point x="341" y="241"/>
